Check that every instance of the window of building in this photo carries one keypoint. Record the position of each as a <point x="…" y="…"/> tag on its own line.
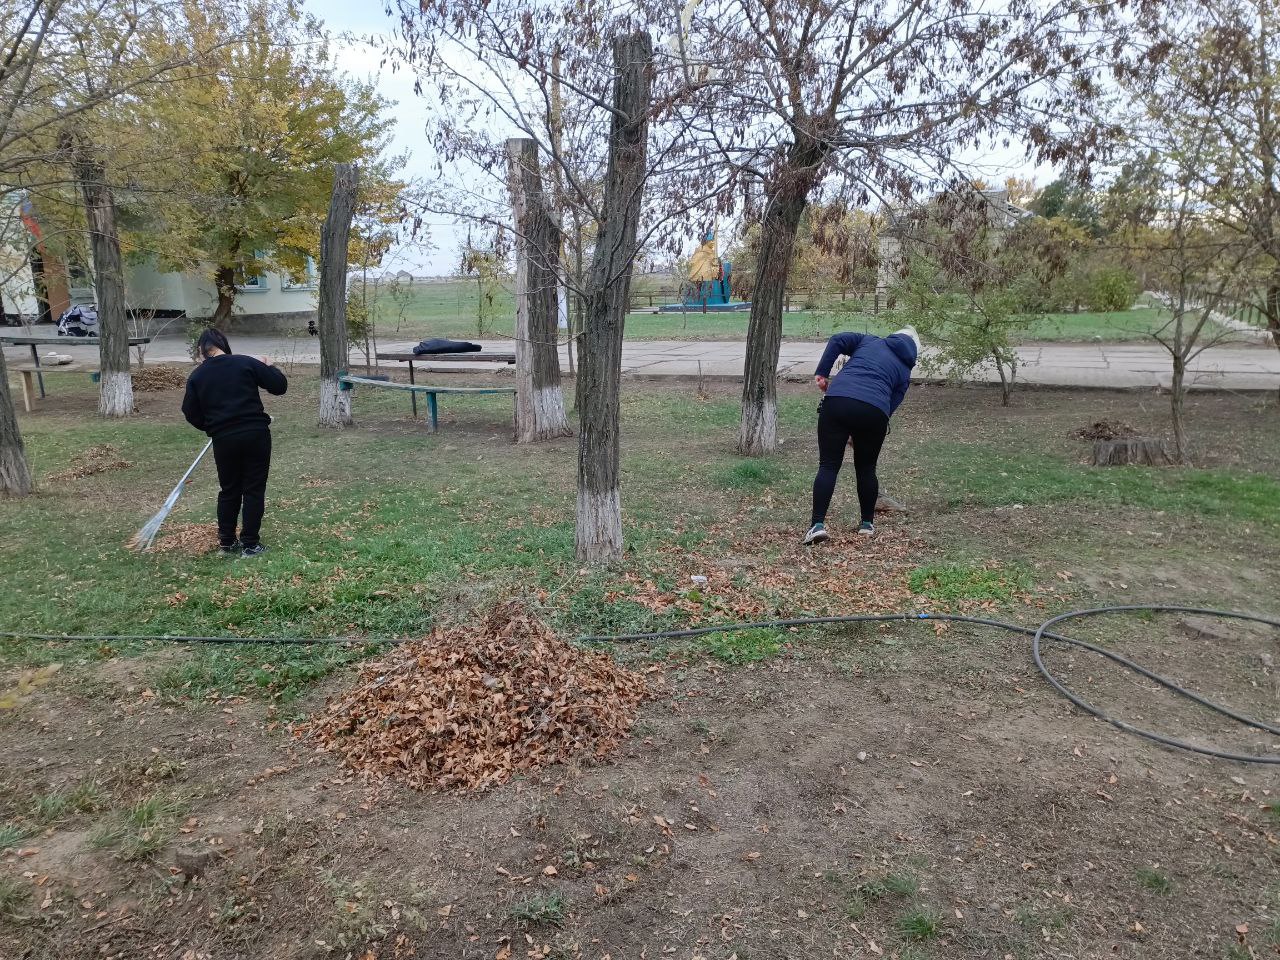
<point x="307" y="281"/>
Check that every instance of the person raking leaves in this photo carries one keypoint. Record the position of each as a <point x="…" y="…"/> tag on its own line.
<point x="222" y="399"/>
<point x="856" y="406"/>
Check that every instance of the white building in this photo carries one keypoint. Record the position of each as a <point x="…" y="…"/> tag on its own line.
<point x="270" y="302"/>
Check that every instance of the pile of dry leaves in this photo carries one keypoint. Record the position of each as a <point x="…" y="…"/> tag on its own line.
<point x="153" y="379"/>
<point x="1105" y="430"/>
<point x="102" y="458"/>
<point x="470" y="707"/>
<point x="190" y="538"/>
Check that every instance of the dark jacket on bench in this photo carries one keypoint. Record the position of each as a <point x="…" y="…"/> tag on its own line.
<point x="446" y="346"/>
<point x="222" y="394"/>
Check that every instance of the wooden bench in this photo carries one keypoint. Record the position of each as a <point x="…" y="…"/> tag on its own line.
<point x="413" y="389"/>
<point x="30" y="372"/>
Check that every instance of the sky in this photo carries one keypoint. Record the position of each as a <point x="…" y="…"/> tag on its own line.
<point x="363" y="61"/>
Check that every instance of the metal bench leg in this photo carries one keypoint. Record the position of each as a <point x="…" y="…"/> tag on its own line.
<point x="413" y="397"/>
<point x="27" y="390"/>
<point x="435" y="413"/>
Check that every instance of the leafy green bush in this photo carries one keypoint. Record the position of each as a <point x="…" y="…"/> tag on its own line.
<point x="1111" y="288"/>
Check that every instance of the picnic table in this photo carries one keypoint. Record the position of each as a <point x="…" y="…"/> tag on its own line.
<point x="409" y="357"/>
<point x="34" y="340"/>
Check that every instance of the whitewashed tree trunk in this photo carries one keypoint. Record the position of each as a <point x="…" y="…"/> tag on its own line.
<point x="758" y="428"/>
<point x="115" y="398"/>
<point x="540" y="411"/>
<point x="598" y="532"/>
<point x="335" y="403"/>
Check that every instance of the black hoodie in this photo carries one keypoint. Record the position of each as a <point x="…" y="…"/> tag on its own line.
<point x="222" y="394"/>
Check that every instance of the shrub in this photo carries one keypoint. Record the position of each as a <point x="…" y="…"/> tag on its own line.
<point x="1111" y="288"/>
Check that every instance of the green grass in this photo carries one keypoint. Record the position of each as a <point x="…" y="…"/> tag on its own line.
<point x="968" y="474"/>
<point x="955" y="582"/>
<point x="449" y="310"/>
<point x="1123" y="325"/>
<point x="920" y="923"/>
<point x="1154" y="880"/>
<point x="382" y="531"/>
<point x="754" y="472"/>
<point x="893" y="884"/>
<point x="280" y="672"/>
<point x="58" y="804"/>
<point x="12" y="834"/>
<point x="141" y="830"/>
<point x="549" y="908"/>
<point x="13" y="894"/>
<point x="1272" y="933"/>
<point x="743" y="646"/>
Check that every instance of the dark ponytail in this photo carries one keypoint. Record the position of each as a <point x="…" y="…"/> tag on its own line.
<point x="212" y="339"/>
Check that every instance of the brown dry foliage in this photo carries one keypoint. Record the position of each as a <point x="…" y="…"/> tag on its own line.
<point x="1105" y="430"/>
<point x="469" y="708"/>
<point x="101" y="458"/>
<point x="191" y="538"/>
<point x="154" y="379"/>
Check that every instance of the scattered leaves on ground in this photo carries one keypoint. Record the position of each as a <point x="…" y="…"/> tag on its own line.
<point x="100" y="458"/>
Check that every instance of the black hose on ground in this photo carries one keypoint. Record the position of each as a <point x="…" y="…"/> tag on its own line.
<point x="1038" y="635"/>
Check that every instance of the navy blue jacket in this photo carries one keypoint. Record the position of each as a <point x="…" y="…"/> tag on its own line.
<point x="878" y="371"/>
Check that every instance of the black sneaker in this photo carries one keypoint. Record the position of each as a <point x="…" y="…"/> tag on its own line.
<point x="230" y="549"/>
<point x="254" y="551"/>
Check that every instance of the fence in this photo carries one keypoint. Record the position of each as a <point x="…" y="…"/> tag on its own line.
<point x="852" y="300"/>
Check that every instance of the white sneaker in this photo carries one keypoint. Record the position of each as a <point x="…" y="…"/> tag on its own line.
<point x="817" y="534"/>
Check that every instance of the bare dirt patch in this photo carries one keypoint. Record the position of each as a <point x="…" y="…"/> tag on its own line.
<point x="835" y="805"/>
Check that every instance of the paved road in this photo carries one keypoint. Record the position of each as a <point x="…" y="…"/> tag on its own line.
<point x="1239" y="367"/>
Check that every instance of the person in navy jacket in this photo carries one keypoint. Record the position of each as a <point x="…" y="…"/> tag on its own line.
<point x="857" y="404"/>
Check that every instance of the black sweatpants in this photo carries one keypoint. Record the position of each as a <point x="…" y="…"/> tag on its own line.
<point x="244" y="460"/>
<point x="839" y="419"/>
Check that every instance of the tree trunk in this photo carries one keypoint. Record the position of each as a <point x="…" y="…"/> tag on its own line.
<point x="1006" y="382"/>
<point x="539" y="400"/>
<point x="115" y="397"/>
<point x="224" y="279"/>
<point x="599" y="509"/>
<point x="335" y="403"/>
<point x="1273" y="310"/>
<point x="15" y="476"/>
<point x="758" y="429"/>
<point x="1177" y="398"/>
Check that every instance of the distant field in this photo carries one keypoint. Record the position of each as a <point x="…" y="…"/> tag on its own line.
<point x="451" y="310"/>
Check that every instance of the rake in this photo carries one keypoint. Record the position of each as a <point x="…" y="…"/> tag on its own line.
<point x="145" y="538"/>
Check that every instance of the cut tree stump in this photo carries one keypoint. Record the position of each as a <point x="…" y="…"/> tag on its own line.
<point x="1124" y="451"/>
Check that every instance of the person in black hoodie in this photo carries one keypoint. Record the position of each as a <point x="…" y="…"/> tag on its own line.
<point x="222" y="400"/>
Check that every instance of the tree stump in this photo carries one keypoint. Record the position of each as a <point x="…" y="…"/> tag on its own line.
<point x="1125" y="451"/>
